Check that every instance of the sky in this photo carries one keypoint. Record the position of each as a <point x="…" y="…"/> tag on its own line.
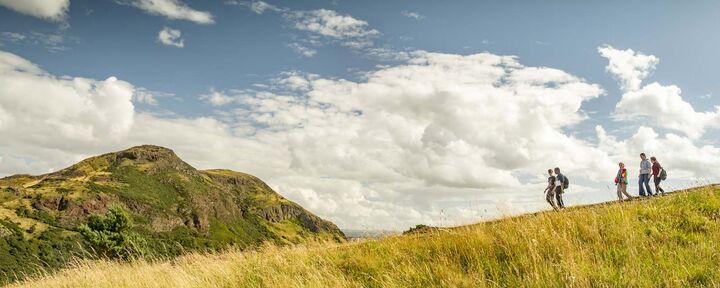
<point x="372" y="114"/>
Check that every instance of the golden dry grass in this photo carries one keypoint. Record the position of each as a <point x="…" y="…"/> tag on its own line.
<point x="671" y="241"/>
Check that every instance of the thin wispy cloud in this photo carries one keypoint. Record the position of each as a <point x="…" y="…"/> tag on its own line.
<point x="302" y="50"/>
<point x="172" y="9"/>
<point x="53" y="42"/>
<point x="413" y="15"/>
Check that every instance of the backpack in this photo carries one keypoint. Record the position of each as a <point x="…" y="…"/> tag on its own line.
<point x="565" y="182"/>
<point x="663" y="174"/>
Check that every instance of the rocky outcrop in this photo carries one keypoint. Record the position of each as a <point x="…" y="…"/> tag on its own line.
<point x="71" y="212"/>
<point x="290" y="211"/>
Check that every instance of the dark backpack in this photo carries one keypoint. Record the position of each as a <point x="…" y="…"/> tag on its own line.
<point x="565" y="182"/>
<point x="663" y="174"/>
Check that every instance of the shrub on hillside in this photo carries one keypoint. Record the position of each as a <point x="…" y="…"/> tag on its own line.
<point x="110" y="235"/>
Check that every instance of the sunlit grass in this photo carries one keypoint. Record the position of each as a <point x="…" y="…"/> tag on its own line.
<point x="671" y="241"/>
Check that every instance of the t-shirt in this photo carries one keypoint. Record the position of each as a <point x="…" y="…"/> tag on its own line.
<point x="656" y="168"/>
<point x="551" y="181"/>
<point x="559" y="180"/>
<point x="645" y="166"/>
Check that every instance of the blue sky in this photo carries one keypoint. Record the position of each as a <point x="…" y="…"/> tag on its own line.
<point x="243" y="52"/>
<point x="242" y="47"/>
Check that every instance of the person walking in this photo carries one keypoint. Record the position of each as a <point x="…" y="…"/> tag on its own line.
<point x="644" y="176"/>
<point x="559" y="187"/>
<point x="550" y="190"/>
<point x="621" y="182"/>
<point x="656" y="172"/>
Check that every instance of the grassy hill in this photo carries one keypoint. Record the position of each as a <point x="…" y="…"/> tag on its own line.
<point x="174" y="207"/>
<point x="671" y="241"/>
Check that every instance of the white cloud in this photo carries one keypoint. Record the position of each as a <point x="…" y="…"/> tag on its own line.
<point x="628" y="67"/>
<point x="387" y="54"/>
<point x="41" y="109"/>
<point x="219" y="98"/>
<point x="680" y="154"/>
<point x="172" y="9"/>
<point x="171" y="37"/>
<point x="302" y="50"/>
<point x="662" y="104"/>
<point x="439" y="137"/>
<point x="54" y="42"/>
<point x="52" y="10"/>
<point x="260" y="7"/>
<point x="413" y="15"/>
<point x="349" y="31"/>
<point x="322" y="25"/>
<point x="441" y="128"/>
<point x="149" y="97"/>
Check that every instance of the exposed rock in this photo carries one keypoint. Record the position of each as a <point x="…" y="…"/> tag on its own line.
<point x="162" y="224"/>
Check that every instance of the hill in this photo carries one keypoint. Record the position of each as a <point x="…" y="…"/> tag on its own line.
<point x="175" y="208"/>
<point x="670" y="241"/>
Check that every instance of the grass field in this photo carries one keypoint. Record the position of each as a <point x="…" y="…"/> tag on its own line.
<point x="671" y="241"/>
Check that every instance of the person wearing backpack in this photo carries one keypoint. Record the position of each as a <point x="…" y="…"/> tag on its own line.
<point x="659" y="174"/>
<point x="621" y="182"/>
<point x="561" y="183"/>
<point x="644" y="175"/>
<point x="550" y="190"/>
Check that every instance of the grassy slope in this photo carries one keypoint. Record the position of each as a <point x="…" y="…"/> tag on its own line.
<point x="671" y="241"/>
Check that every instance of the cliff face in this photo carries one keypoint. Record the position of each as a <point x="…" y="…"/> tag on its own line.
<point x="169" y="200"/>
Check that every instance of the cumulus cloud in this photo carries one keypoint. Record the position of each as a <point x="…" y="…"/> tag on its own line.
<point x="439" y="129"/>
<point x="407" y="143"/>
<point x="629" y="67"/>
<point x="172" y="9"/>
<point x="441" y="136"/>
<point x="662" y="104"/>
<point x="686" y="159"/>
<point x="171" y="37"/>
<point x="51" y="10"/>
<point x="349" y="31"/>
<point x="58" y="113"/>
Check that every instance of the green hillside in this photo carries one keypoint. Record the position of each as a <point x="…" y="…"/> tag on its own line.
<point x="174" y="207"/>
<point x="671" y="241"/>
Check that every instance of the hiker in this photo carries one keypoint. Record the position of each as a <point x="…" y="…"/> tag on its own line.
<point x="644" y="175"/>
<point x="621" y="182"/>
<point x="559" y="187"/>
<point x="657" y="172"/>
<point x="550" y="190"/>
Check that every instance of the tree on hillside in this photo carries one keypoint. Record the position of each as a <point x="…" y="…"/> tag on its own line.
<point x="110" y="234"/>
